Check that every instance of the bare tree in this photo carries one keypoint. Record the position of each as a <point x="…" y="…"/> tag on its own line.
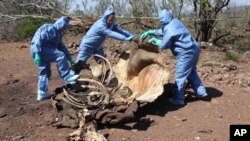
<point x="174" y="5"/>
<point x="206" y="12"/>
<point x="14" y="12"/>
<point x="121" y="7"/>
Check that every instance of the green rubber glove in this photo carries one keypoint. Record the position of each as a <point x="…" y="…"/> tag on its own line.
<point x="155" y="41"/>
<point x="145" y="34"/>
<point x="72" y="62"/>
<point x="37" y="60"/>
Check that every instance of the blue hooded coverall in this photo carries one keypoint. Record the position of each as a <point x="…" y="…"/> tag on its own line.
<point x="92" y="41"/>
<point x="47" y="41"/>
<point x="185" y="48"/>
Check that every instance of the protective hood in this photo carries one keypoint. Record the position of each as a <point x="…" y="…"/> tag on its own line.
<point x="109" y="11"/>
<point x="61" y="23"/>
<point x="165" y="17"/>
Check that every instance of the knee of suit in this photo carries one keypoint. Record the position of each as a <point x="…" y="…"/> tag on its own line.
<point x="60" y="56"/>
<point x="82" y="57"/>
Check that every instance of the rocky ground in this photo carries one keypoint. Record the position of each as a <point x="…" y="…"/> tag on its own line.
<point x="227" y="83"/>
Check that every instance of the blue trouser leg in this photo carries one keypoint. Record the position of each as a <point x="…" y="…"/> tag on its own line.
<point x="84" y="54"/>
<point x="100" y="52"/>
<point x="82" y="57"/>
<point x="54" y="55"/>
<point x="196" y="83"/>
<point x="194" y="79"/>
<point x="62" y="64"/>
<point x="49" y="55"/>
<point x="185" y="64"/>
<point x="43" y="76"/>
<point x="48" y="70"/>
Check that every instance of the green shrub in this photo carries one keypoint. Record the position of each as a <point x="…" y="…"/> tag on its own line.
<point x="232" y="56"/>
<point x="28" y="26"/>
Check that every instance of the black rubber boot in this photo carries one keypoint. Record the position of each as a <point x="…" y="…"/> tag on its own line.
<point x="79" y="66"/>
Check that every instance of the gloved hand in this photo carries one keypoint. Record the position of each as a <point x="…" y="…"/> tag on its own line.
<point x="72" y="62"/>
<point x="155" y="41"/>
<point x="37" y="60"/>
<point x="129" y="38"/>
<point x="145" y="34"/>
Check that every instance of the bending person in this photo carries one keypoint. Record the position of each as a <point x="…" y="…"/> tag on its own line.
<point x="47" y="47"/>
<point x="180" y="41"/>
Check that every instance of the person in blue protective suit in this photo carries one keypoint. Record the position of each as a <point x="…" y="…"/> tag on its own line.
<point x="47" y="47"/>
<point x="180" y="41"/>
<point x="92" y="41"/>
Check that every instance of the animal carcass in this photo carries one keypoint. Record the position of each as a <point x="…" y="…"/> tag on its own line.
<point x="143" y="69"/>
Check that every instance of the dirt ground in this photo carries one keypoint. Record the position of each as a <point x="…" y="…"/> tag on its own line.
<point x="23" y="118"/>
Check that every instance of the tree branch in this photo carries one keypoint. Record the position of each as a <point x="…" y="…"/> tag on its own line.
<point x="15" y="17"/>
<point x="218" y="7"/>
<point x="219" y="37"/>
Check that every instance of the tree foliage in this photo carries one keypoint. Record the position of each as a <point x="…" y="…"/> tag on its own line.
<point x="20" y="18"/>
<point x="142" y="13"/>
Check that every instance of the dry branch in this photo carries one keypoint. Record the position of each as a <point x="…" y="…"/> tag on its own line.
<point x="220" y="36"/>
<point x="16" y="17"/>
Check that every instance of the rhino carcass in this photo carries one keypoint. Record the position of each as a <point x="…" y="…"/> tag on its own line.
<point x="143" y="69"/>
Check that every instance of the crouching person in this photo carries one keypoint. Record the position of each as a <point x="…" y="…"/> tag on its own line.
<point x="47" y="47"/>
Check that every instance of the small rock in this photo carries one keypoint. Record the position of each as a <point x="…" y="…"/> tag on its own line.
<point x="206" y="131"/>
<point x="134" y="130"/>
<point x="205" y="75"/>
<point x="216" y="71"/>
<point x="197" y="138"/>
<point x="226" y="69"/>
<point x="232" y="66"/>
<point x="146" y="120"/>
<point x="126" y="139"/>
<point x="19" y="108"/>
<point x="217" y="77"/>
<point x="248" y="74"/>
<point x="246" y="56"/>
<point x="209" y="70"/>
<point x="244" y="84"/>
<point x="3" y="115"/>
<point x="19" y="137"/>
<point x="24" y="46"/>
<point x="38" y="124"/>
<point x="184" y="119"/>
<point x="226" y="75"/>
<point x="13" y="81"/>
<point x="235" y="72"/>
<point x="227" y="82"/>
